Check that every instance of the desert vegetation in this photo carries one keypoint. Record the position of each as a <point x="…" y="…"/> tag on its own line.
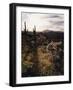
<point x="42" y="53"/>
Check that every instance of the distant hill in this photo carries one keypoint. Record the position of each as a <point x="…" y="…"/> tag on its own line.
<point x="48" y="34"/>
<point x="54" y="34"/>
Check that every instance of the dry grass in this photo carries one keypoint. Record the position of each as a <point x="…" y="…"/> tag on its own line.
<point x="45" y="65"/>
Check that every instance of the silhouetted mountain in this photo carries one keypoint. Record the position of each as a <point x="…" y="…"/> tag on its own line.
<point x="45" y="35"/>
<point x="54" y="34"/>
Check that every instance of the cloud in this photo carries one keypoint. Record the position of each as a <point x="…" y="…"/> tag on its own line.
<point x="44" y="21"/>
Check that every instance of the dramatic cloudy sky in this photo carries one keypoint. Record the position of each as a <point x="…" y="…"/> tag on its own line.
<point x="42" y="22"/>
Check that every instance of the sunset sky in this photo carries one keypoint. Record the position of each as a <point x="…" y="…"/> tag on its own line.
<point x="42" y="22"/>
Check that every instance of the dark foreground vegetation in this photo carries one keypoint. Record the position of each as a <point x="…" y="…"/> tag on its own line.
<point x="42" y="53"/>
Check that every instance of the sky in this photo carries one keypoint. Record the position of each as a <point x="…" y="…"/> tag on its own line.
<point x="49" y="21"/>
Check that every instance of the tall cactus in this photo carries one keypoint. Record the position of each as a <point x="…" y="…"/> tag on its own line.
<point x="25" y="26"/>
